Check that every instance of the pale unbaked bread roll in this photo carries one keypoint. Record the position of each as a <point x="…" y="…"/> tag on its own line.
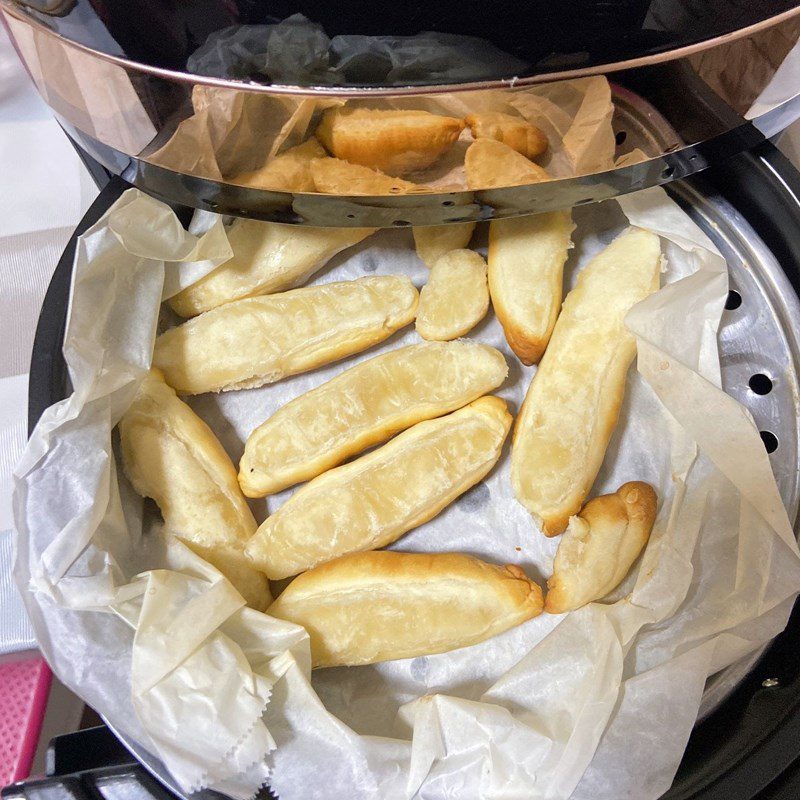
<point x="433" y="241"/>
<point x="171" y="455"/>
<point x="455" y="298"/>
<point x="375" y="499"/>
<point x="600" y="545"/>
<point x="365" y="405"/>
<point x="335" y="176"/>
<point x="267" y="257"/>
<point x="516" y="132"/>
<point x="573" y="402"/>
<point x="526" y="273"/>
<point x="490" y="164"/>
<point x="260" y="340"/>
<point x="393" y="141"/>
<point x="371" y="607"/>
<point x="289" y="171"/>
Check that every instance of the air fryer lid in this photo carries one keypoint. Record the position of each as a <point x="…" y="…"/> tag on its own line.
<point x="196" y="101"/>
<point x="503" y="39"/>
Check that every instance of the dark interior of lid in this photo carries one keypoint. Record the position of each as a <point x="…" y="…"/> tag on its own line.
<point x="360" y="42"/>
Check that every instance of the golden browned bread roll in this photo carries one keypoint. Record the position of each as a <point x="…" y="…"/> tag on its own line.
<point x="171" y="455"/>
<point x="433" y="241"/>
<point x="371" y="607"/>
<point x="260" y="340"/>
<point x="397" y="142"/>
<point x="289" y="171"/>
<point x="490" y="164"/>
<point x="516" y="132"/>
<point x="455" y="298"/>
<point x="267" y="257"/>
<point x="526" y="272"/>
<point x="600" y="545"/>
<point x="375" y="499"/>
<point x="573" y="402"/>
<point x="363" y="406"/>
<point x="336" y="176"/>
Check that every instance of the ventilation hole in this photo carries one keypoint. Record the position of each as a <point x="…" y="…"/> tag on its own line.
<point x="448" y="203"/>
<point x="733" y="301"/>
<point x="400" y="223"/>
<point x="351" y="216"/>
<point x="621" y="137"/>
<point x="667" y="173"/>
<point x="760" y="384"/>
<point x="770" y="441"/>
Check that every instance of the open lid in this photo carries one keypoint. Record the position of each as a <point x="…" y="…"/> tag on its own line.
<point x="359" y="43"/>
<point x="199" y="101"/>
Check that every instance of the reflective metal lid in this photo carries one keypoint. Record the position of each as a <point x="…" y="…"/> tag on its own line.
<point x="359" y="43"/>
<point x="311" y="113"/>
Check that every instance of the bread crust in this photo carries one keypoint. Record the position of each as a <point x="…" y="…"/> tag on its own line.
<point x="455" y="298"/>
<point x="490" y="164"/>
<point x="516" y="132"/>
<point x="289" y="171"/>
<point x="372" y="501"/>
<point x="170" y="455"/>
<point x="600" y="545"/>
<point x="259" y="340"/>
<point x="526" y="275"/>
<point x="573" y="402"/>
<point x="337" y="176"/>
<point x="433" y="241"/>
<point x="365" y="405"/>
<point x="267" y="257"/>
<point x="370" y="607"/>
<point x="392" y="141"/>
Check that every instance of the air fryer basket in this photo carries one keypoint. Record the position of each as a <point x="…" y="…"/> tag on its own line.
<point x="750" y="207"/>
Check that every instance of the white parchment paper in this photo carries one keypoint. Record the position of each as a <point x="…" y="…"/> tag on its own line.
<point x="592" y="705"/>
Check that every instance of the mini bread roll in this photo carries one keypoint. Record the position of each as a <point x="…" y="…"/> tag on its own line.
<point x="397" y="142"/>
<point x="365" y="405"/>
<point x="573" y="401"/>
<point x="516" y="132"/>
<point x="334" y="176"/>
<point x="260" y="340"/>
<point x="490" y="164"/>
<point x="600" y="545"/>
<point x="433" y="241"/>
<point x="371" y="607"/>
<point x="455" y="298"/>
<point x="375" y="499"/>
<point x="526" y="273"/>
<point x="289" y="171"/>
<point x="267" y="257"/>
<point x="171" y="455"/>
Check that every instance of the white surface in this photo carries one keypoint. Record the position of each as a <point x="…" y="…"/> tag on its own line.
<point x="44" y="191"/>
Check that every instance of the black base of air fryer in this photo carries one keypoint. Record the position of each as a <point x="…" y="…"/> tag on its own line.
<point x="747" y="749"/>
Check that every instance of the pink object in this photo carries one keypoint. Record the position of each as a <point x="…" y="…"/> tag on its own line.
<point x="24" y="686"/>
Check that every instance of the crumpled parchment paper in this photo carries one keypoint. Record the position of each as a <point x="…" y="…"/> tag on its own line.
<point x="594" y="705"/>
